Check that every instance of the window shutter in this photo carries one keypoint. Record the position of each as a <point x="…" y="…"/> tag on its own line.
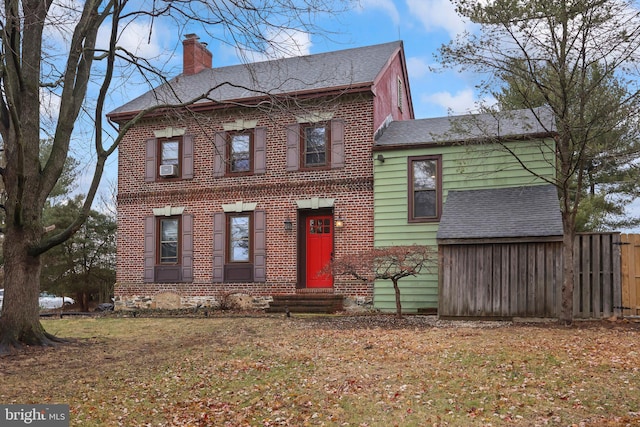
<point x="219" y="154"/>
<point x="187" y="157"/>
<point x="293" y="147"/>
<point x="187" y="248"/>
<point x="218" y="247"/>
<point x="259" y="148"/>
<point x="150" y="160"/>
<point x="259" y="247"/>
<point x="337" y="143"/>
<point x="149" y="249"/>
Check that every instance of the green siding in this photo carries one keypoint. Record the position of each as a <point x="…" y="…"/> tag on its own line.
<point x="463" y="168"/>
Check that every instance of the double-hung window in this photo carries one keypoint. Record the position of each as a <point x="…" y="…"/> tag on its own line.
<point x="425" y="188"/>
<point x="168" y="244"/>
<point x="239" y="242"/>
<point x="169" y="158"/>
<point x="315" y="145"/>
<point x="240" y="148"/>
<point x="239" y="238"/>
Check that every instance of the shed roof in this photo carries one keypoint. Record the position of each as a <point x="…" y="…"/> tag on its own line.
<point x="440" y="130"/>
<point x="513" y="212"/>
<point x="343" y="69"/>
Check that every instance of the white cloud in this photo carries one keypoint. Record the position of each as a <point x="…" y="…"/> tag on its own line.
<point x="458" y="103"/>
<point x="62" y="17"/>
<point x="386" y="5"/>
<point x="417" y="67"/>
<point x="438" y="14"/>
<point x="462" y="102"/>
<point x="280" y="43"/>
<point x="136" y="37"/>
<point x="49" y="107"/>
<point x="288" y="43"/>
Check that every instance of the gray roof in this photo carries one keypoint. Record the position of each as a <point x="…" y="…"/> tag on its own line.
<point x="514" y="212"/>
<point x="506" y="124"/>
<point x="348" y="68"/>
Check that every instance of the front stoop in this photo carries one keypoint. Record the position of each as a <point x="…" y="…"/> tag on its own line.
<point x="306" y="303"/>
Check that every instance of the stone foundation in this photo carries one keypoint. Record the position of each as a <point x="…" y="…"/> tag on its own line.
<point x="236" y="301"/>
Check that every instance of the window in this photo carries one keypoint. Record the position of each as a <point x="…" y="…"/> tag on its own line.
<point x="169" y="156"/>
<point x="425" y="188"/>
<point x="240" y="152"/>
<point x="169" y="230"/>
<point x="240" y="147"/>
<point x="315" y="146"/>
<point x="238" y="232"/>
<point x="168" y="248"/>
<point x="239" y="246"/>
<point x="399" y="89"/>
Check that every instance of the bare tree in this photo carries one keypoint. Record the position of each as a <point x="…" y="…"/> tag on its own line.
<point x="80" y="77"/>
<point x="563" y="53"/>
<point x="385" y="263"/>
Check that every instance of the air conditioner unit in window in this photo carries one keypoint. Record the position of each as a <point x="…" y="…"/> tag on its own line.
<point x="168" y="170"/>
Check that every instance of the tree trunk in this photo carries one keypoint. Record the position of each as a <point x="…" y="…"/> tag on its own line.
<point x="20" y="319"/>
<point x="396" y="288"/>
<point x="566" y="312"/>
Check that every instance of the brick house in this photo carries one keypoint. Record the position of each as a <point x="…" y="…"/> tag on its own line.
<point x="255" y="186"/>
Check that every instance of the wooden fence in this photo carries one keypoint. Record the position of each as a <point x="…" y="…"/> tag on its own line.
<point x="597" y="289"/>
<point x="630" y="245"/>
<point x="524" y="279"/>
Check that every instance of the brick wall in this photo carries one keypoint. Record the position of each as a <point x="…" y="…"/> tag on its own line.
<point x="275" y="192"/>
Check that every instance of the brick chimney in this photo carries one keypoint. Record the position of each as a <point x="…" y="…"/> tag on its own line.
<point x="195" y="55"/>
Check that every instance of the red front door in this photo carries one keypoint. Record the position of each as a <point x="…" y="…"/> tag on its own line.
<point x="319" y="230"/>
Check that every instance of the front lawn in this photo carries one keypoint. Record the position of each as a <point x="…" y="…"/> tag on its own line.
<point x="331" y="371"/>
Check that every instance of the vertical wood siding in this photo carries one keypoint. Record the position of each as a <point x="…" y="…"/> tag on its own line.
<point x="500" y="280"/>
<point x="525" y="279"/>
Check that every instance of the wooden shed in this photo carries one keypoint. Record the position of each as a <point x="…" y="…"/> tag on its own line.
<point x="500" y="253"/>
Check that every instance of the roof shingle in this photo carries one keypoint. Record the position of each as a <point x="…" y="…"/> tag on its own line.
<point x="339" y="69"/>
<point x="514" y="212"/>
<point x="439" y="130"/>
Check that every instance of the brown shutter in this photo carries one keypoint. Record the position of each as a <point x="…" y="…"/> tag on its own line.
<point x="149" y="248"/>
<point x="293" y="147"/>
<point x="218" y="247"/>
<point x="259" y="246"/>
<point x="259" y="149"/>
<point x="219" y="154"/>
<point x="337" y="143"/>
<point x="187" y="157"/>
<point x="150" y="162"/>
<point x="187" y="248"/>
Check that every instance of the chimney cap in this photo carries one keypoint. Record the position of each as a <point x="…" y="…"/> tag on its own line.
<point x="191" y="36"/>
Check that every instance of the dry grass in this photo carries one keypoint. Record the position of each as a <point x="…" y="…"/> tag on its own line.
<point x="368" y="371"/>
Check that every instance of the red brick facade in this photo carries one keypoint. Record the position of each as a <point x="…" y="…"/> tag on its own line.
<point x="276" y="192"/>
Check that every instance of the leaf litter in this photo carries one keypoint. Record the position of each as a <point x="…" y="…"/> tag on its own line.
<point x="371" y="370"/>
